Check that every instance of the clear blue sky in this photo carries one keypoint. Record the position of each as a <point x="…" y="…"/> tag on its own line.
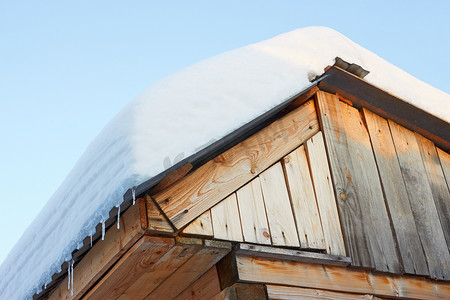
<point x="67" y="67"/>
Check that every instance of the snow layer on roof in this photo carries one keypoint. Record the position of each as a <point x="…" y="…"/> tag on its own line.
<point x="177" y="117"/>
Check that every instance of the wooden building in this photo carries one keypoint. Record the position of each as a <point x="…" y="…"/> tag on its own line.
<point x="341" y="192"/>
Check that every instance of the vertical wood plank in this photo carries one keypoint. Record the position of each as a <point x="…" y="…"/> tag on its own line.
<point x="436" y="178"/>
<point x="421" y="200"/>
<point x="303" y="199"/>
<point x="253" y="213"/>
<point x="323" y="185"/>
<point x="278" y="207"/>
<point x="366" y="224"/>
<point x="225" y="219"/>
<point x="445" y="164"/>
<point x="413" y="258"/>
<point x="200" y="226"/>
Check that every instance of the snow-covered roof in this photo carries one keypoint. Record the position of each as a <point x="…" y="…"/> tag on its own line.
<point x="177" y="117"/>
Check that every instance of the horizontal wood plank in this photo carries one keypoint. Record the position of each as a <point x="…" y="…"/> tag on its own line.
<point x="279" y="292"/>
<point x="212" y="182"/>
<point x="292" y="255"/>
<point x="340" y="279"/>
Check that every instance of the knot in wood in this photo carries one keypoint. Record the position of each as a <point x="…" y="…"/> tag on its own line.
<point x="343" y="196"/>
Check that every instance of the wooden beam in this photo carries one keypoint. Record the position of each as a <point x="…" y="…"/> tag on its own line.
<point x="103" y="255"/>
<point x="137" y="261"/>
<point x="157" y="222"/>
<point x="173" y="259"/>
<point x="191" y="270"/>
<point x="204" y="288"/>
<point x="365" y="221"/>
<point x="291" y="255"/>
<point x="172" y="177"/>
<point x="340" y="279"/>
<point x="363" y="94"/>
<point x="397" y="201"/>
<point x="280" y="292"/>
<point x="216" y="179"/>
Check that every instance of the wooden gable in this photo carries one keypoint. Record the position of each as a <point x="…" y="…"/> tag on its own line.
<point x="284" y="213"/>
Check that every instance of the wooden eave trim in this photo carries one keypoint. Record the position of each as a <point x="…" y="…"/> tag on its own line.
<point x="363" y="94"/>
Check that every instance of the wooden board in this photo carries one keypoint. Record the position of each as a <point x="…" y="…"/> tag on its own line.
<point x="397" y="201"/>
<point x="103" y="255"/>
<point x="253" y="213"/>
<point x="138" y="260"/>
<point x="278" y="207"/>
<point x="421" y="200"/>
<point x="340" y="279"/>
<point x="167" y="265"/>
<point x="363" y="214"/>
<point x="204" y="288"/>
<point x="292" y="255"/>
<point x="225" y="219"/>
<point x="189" y="272"/>
<point x="323" y="186"/>
<point x="279" y="292"/>
<point x="212" y="182"/>
<point x="436" y="178"/>
<point x="445" y="163"/>
<point x="200" y="226"/>
<point x="156" y="221"/>
<point x="303" y="199"/>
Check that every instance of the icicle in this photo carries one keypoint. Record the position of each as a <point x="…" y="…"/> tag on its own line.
<point x="118" y="218"/>
<point x="68" y="275"/>
<point x="103" y="230"/>
<point x="71" y="278"/>
<point x="45" y="286"/>
<point x="133" y="193"/>
<point x="91" y="241"/>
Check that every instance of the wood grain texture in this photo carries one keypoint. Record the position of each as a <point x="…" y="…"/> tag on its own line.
<point x="279" y="292"/>
<point x="212" y="182"/>
<point x="323" y="185"/>
<point x="165" y="266"/>
<point x="362" y="210"/>
<point x="228" y="293"/>
<point x="189" y="272"/>
<point x="102" y="255"/>
<point x="436" y="178"/>
<point x="200" y="226"/>
<point x="445" y="164"/>
<point x="253" y="213"/>
<point x="421" y="200"/>
<point x="204" y="288"/>
<point x="156" y="220"/>
<point x="340" y="279"/>
<point x="225" y="219"/>
<point x="397" y="201"/>
<point x="303" y="199"/>
<point x="278" y="207"/>
<point x="172" y="177"/>
<point x="139" y="259"/>
<point x="292" y="255"/>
